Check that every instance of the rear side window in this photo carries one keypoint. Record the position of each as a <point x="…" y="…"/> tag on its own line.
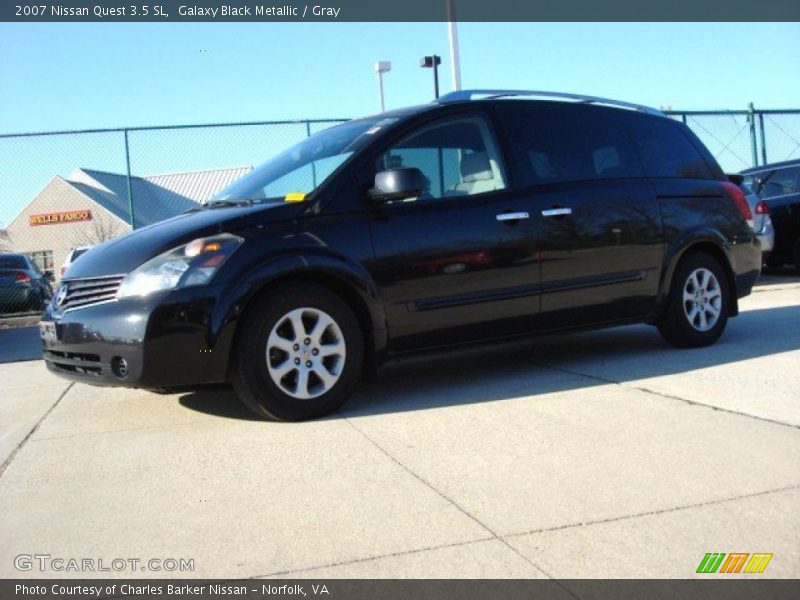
<point x="13" y="262"/>
<point x="565" y="143"/>
<point x="665" y="150"/>
<point x="778" y="182"/>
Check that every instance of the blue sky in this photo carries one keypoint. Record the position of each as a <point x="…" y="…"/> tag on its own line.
<point x="64" y="76"/>
<point x="73" y="76"/>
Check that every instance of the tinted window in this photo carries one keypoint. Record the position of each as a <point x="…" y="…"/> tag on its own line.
<point x="12" y="262"/>
<point x="458" y="157"/>
<point x="777" y="182"/>
<point x="568" y="143"/>
<point x="664" y="148"/>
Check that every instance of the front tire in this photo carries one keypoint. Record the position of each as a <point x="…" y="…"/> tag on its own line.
<point x="298" y="354"/>
<point x="698" y="304"/>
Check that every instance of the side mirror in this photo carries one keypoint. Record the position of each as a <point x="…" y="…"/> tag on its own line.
<point x="49" y="275"/>
<point x="397" y="184"/>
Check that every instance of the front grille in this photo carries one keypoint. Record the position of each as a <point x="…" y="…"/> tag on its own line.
<point x="87" y="364"/>
<point x="86" y="292"/>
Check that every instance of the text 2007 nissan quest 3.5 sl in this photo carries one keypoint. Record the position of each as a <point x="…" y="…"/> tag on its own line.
<point x="488" y="214"/>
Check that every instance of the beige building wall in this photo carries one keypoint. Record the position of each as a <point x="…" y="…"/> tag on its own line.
<point x="58" y="196"/>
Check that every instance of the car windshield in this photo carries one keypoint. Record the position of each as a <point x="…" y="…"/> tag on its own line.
<point x="298" y="171"/>
<point x="12" y="262"/>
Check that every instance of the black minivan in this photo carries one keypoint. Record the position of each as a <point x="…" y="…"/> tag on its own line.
<point x="482" y="216"/>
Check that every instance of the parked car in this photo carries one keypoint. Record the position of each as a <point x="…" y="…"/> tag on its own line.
<point x="331" y="257"/>
<point x="23" y="287"/>
<point x="761" y="221"/>
<point x="72" y="255"/>
<point x="778" y="185"/>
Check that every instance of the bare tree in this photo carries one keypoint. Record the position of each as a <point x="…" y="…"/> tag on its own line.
<point x="98" y="230"/>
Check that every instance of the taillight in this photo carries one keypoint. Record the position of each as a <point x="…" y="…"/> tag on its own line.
<point x="737" y="195"/>
<point x="22" y="277"/>
<point x="762" y="208"/>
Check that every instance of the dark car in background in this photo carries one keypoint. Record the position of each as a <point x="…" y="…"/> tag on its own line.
<point x="23" y="287"/>
<point x="458" y="222"/>
<point x="778" y="185"/>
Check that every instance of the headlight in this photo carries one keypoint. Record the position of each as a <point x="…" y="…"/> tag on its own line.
<point x="191" y="264"/>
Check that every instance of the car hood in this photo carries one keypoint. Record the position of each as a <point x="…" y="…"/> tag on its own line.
<point x="123" y="254"/>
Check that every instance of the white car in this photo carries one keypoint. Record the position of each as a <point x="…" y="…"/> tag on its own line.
<point x="72" y="255"/>
<point x="761" y="221"/>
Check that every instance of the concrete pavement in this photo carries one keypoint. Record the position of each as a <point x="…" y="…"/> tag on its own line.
<point x="601" y="454"/>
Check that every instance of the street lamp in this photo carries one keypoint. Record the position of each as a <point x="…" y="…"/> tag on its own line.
<point x="381" y="67"/>
<point x="432" y="62"/>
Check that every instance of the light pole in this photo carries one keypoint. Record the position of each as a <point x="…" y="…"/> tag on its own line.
<point x="381" y="67"/>
<point x="455" y="62"/>
<point x="432" y="62"/>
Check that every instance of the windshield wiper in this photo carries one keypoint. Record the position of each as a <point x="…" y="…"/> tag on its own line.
<point x="223" y="203"/>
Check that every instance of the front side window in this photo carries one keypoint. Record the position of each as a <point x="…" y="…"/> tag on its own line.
<point x="305" y="166"/>
<point x="458" y="157"/>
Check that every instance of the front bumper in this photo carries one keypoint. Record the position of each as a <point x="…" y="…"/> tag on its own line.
<point x="165" y="339"/>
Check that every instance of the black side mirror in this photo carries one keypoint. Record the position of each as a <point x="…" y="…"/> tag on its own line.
<point x="398" y="184"/>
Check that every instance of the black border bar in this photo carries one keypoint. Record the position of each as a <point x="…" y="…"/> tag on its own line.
<point x="709" y="587"/>
<point x="399" y="10"/>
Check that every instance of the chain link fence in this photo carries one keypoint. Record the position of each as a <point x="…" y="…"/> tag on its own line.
<point x="746" y="138"/>
<point x="63" y="191"/>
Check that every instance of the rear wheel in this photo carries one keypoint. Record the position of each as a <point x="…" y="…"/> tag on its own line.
<point x="698" y="304"/>
<point x="298" y="355"/>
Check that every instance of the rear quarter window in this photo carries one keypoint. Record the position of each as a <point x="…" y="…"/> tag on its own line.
<point x="665" y="149"/>
<point x="12" y="262"/>
<point x="554" y="144"/>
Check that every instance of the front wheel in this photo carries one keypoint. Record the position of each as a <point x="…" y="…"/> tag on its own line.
<point x="298" y="354"/>
<point x="698" y="304"/>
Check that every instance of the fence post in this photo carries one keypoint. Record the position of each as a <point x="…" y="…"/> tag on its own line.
<point x="130" y="188"/>
<point x="313" y="165"/>
<point x="763" y="138"/>
<point x="753" y="143"/>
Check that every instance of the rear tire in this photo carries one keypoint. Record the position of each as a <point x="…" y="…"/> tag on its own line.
<point x="298" y="353"/>
<point x="698" y="304"/>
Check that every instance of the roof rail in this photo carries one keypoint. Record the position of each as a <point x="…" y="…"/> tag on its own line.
<point x="463" y="95"/>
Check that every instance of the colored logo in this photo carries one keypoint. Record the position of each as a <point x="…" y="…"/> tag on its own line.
<point x="735" y="562"/>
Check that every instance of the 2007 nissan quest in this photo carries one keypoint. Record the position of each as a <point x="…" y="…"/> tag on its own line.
<point x="484" y="215"/>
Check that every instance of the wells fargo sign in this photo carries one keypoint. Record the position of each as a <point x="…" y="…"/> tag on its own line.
<point x="71" y="216"/>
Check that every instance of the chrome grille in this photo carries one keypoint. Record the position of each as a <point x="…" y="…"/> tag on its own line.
<point x="86" y="292"/>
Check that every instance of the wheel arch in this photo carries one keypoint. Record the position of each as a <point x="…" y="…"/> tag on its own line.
<point x="349" y="282"/>
<point x="708" y="241"/>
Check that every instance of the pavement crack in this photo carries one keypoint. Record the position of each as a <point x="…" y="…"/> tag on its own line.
<point x="16" y="450"/>
<point x="638" y="388"/>
<point x="660" y="511"/>
<point x="455" y="504"/>
<point x="356" y="561"/>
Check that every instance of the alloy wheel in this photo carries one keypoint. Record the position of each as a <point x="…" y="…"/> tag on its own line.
<point x="702" y="299"/>
<point x="305" y="353"/>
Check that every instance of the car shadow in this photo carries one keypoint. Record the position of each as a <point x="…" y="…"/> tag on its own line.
<point x="543" y="365"/>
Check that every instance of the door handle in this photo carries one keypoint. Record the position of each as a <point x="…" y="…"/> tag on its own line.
<point x="513" y="216"/>
<point x="556" y="212"/>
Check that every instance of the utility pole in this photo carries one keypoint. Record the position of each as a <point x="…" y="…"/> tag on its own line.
<point x="455" y="62"/>
<point x="381" y="67"/>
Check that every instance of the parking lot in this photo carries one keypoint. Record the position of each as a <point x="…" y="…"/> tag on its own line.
<point x="600" y="454"/>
